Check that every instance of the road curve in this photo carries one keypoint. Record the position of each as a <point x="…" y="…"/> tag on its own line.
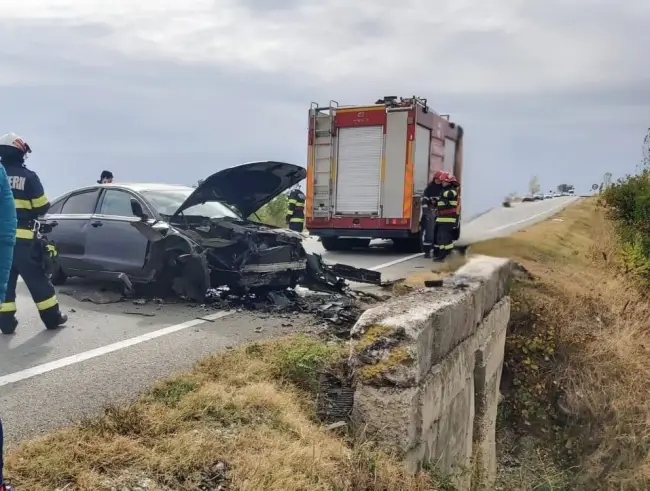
<point x="109" y="353"/>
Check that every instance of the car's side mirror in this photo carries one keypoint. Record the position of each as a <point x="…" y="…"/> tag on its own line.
<point x="136" y="209"/>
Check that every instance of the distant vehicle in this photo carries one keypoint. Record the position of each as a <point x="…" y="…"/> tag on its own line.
<point x="529" y="197"/>
<point x="556" y="195"/>
<point x="572" y="192"/>
<point x="538" y="197"/>
<point x="548" y="195"/>
<point x="565" y="193"/>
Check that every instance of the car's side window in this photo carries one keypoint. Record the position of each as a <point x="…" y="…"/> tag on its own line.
<point x="116" y="203"/>
<point x="82" y="203"/>
<point x="55" y="209"/>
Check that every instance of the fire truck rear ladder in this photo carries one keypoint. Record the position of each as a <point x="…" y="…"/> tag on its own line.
<point x="323" y="138"/>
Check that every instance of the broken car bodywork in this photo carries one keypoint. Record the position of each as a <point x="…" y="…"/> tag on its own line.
<point x="191" y="254"/>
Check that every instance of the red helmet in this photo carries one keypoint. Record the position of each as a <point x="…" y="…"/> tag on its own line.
<point x="451" y="179"/>
<point x="440" y="175"/>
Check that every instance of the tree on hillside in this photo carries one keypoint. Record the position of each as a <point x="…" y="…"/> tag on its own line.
<point x="534" y="186"/>
<point x="565" y="188"/>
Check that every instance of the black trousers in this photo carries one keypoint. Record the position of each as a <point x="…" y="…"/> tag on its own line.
<point x="296" y="226"/>
<point x="39" y="286"/>
<point x="428" y="226"/>
<point x="444" y="239"/>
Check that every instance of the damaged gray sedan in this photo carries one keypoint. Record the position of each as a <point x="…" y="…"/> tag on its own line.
<point x="187" y="240"/>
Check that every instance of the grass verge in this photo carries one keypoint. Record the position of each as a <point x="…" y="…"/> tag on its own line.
<point x="577" y="373"/>
<point x="243" y="420"/>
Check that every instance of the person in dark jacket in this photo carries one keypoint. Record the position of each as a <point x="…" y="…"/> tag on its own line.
<point x="30" y="203"/>
<point x="429" y="211"/>
<point x="106" y="177"/>
<point x="7" y="241"/>
<point x="296" y="210"/>
<point x="446" y="218"/>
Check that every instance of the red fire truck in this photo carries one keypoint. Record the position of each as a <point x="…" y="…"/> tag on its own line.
<point x="368" y="167"/>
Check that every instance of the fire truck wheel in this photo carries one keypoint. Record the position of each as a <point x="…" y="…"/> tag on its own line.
<point x="408" y="245"/>
<point x="338" y="244"/>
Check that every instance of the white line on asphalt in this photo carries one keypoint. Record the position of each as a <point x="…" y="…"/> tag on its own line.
<point x="103" y="350"/>
<point x="529" y="218"/>
<point x="396" y="261"/>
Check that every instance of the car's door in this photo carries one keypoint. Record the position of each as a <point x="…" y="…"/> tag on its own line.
<point x="112" y="243"/>
<point x="70" y="218"/>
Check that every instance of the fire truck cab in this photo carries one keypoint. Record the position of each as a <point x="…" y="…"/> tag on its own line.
<point x="368" y="167"/>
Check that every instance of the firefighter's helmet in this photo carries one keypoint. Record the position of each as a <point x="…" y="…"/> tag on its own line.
<point x="12" y="145"/>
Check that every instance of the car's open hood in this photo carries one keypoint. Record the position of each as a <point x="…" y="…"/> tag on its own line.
<point x="247" y="187"/>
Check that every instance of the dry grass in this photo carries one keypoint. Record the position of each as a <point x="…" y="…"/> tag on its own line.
<point x="578" y="353"/>
<point x="242" y="420"/>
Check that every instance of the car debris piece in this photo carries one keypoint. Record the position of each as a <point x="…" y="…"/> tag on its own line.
<point x="143" y="314"/>
<point x="360" y="275"/>
<point x="433" y="283"/>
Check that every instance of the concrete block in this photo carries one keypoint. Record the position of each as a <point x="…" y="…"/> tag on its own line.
<point x="493" y="272"/>
<point x="391" y="416"/>
<point x="445" y="381"/>
<point x="428" y="323"/>
<point x="453" y="447"/>
<point x="428" y="367"/>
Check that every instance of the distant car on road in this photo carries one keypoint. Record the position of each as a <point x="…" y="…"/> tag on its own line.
<point x="179" y="235"/>
<point x="539" y="197"/>
<point x="529" y="197"/>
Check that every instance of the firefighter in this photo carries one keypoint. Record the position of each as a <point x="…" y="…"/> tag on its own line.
<point x="429" y="211"/>
<point x="106" y="177"/>
<point x="296" y="210"/>
<point x="447" y="217"/>
<point x="30" y="202"/>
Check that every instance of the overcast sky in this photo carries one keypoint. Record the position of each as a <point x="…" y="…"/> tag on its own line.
<point x="174" y="90"/>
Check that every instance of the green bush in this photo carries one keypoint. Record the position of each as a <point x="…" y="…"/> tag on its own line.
<point x="274" y="212"/>
<point x="628" y="204"/>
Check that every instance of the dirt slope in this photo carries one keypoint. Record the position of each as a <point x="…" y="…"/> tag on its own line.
<point x="577" y="379"/>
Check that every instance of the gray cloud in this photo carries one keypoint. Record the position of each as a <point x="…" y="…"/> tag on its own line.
<point x="85" y="106"/>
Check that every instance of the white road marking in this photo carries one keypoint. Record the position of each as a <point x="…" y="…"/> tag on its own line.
<point x="103" y="350"/>
<point x="529" y="218"/>
<point x="396" y="261"/>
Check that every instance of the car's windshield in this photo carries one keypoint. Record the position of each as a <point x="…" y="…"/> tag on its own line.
<point x="167" y="201"/>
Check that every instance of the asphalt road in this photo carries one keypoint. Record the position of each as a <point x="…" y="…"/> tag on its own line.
<point x="110" y="352"/>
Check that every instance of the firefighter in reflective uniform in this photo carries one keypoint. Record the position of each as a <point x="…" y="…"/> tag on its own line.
<point x="447" y="218"/>
<point x="296" y="210"/>
<point x="30" y="251"/>
<point x="429" y="211"/>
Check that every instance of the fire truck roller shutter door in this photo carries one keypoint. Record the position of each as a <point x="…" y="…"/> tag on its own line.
<point x="358" y="180"/>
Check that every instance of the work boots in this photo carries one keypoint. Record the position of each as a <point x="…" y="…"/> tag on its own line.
<point x="8" y="326"/>
<point x="55" y="323"/>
